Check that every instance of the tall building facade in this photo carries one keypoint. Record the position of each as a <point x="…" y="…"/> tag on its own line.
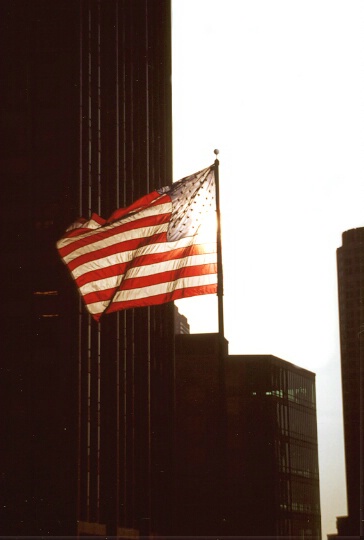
<point x="350" y="267"/>
<point x="86" y="108"/>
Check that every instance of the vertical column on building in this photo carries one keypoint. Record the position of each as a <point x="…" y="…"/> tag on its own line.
<point x="119" y="113"/>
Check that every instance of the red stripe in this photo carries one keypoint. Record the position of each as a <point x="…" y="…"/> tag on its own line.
<point x="152" y="199"/>
<point x="154" y="279"/>
<point x="99" y="296"/>
<point x="101" y="273"/>
<point x="179" y="253"/>
<point x="162" y="298"/>
<point x="168" y="276"/>
<point x="114" y="249"/>
<point x="82" y="229"/>
<point x="144" y="260"/>
<point x="109" y="232"/>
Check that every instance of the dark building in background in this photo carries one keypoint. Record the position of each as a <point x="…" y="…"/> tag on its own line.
<point x="181" y="325"/>
<point x="273" y="475"/>
<point x="350" y="266"/>
<point x="199" y="464"/>
<point x="271" y="486"/>
<point x="86" y="124"/>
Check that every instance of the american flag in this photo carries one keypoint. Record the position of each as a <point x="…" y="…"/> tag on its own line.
<point x="159" y="249"/>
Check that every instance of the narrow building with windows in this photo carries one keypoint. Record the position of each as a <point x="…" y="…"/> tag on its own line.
<point x="350" y="270"/>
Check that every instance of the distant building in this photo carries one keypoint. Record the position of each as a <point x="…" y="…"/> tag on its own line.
<point x="270" y="467"/>
<point x="350" y="267"/>
<point x="273" y="475"/>
<point x="181" y="325"/>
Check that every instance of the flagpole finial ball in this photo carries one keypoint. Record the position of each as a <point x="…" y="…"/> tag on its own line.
<point x="216" y="151"/>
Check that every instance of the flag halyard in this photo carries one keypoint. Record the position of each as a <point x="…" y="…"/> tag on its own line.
<point x="159" y="249"/>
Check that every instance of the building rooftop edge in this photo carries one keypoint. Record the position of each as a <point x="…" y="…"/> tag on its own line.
<point x="271" y="357"/>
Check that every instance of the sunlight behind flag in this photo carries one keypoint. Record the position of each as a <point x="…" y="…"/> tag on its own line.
<point x="159" y="249"/>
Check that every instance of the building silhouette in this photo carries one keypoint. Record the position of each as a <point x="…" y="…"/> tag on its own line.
<point x="199" y="464"/>
<point x="350" y="265"/>
<point x="273" y="473"/>
<point x="181" y="324"/>
<point x="86" y="118"/>
<point x="271" y="486"/>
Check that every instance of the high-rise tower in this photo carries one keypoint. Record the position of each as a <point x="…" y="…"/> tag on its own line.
<point x="350" y="264"/>
<point x="86" y="109"/>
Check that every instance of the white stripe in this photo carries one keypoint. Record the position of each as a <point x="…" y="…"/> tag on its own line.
<point x="145" y="232"/>
<point x="153" y="290"/>
<point x="101" y="284"/>
<point x="97" y="307"/>
<point x="173" y="264"/>
<point x="134" y="216"/>
<point x="148" y="270"/>
<point x="150" y="249"/>
<point x="163" y="288"/>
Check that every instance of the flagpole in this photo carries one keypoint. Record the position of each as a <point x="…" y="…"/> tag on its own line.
<point x="222" y="417"/>
<point x="220" y="284"/>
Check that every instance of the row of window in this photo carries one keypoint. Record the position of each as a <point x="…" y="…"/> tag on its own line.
<point x="296" y="386"/>
<point x="297" y="395"/>
<point x="300" y="507"/>
<point x="297" y="458"/>
<point x="296" y="421"/>
<point x="300" y="496"/>
<point x="302" y="422"/>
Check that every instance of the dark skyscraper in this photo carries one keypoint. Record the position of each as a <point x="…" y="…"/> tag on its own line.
<point x="86" y="123"/>
<point x="350" y="265"/>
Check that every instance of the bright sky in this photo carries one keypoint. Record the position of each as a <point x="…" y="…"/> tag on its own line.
<point x="278" y="88"/>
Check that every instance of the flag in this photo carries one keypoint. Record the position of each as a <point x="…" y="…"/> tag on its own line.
<point x="159" y="249"/>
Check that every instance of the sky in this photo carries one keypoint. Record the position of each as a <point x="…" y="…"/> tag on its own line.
<point x="278" y="87"/>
